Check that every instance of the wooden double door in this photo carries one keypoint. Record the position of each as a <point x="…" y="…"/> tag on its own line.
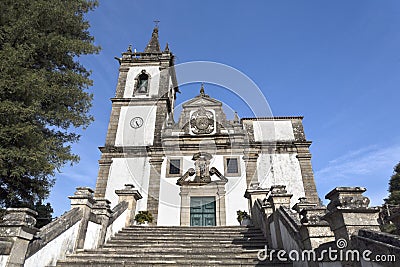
<point x="202" y="211"/>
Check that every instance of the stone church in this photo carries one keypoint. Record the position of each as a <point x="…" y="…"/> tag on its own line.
<point x="193" y="172"/>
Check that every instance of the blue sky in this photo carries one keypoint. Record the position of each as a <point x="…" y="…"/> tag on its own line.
<point x="336" y="63"/>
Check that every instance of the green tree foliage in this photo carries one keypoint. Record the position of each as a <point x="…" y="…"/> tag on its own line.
<point x="43" y="93"/>
<point x="44" y="214"/>
<point x="394" y="187"/>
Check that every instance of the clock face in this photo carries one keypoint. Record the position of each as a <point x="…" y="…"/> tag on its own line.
<point x="136" y="122"/>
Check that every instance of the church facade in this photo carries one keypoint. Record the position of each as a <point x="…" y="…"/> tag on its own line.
<point x="193" y="168"/>
<point x="197" y="168"/>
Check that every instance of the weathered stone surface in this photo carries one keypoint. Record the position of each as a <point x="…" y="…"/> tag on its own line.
<point x="54" y="229"/>
<point x="178" y="246"/>
<point x="348" y="212"/>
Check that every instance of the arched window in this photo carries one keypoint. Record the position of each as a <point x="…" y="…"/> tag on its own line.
<point x="142" y="86"/>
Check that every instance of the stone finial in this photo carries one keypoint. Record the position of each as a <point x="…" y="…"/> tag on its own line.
<point x="202" y="92"/>
<point x="348" y="212"/>
<point x="130" y="195"/>
<point x="255" y="193"/>
<point x="83" y="196"/>
<point x="302" y="204"/>
<point x="127" y="55"/>
<point x="129" y="49"/>
<point x="278" y="189"/>
<point x="16" y="232"/>
<point x="102" y="207"/>
<point x="313" y="215"/>
<point x="129" y="190"/>
<point x="347" y="198"/>
<point x="19" y="217"/>
<point x="236" y="118"/>
<point x="166" y="49"/>
<point x="279" y="196"/>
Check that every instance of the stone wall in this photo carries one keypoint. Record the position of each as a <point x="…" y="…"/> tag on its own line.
<point x="347" y="225"/>
<point x="88" y="225"/>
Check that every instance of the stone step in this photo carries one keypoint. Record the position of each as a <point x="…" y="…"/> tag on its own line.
<point x="186" y="243"/>
<point x="190" y="229"/>
<point x="189" y="238"/>
<point x="167" y="262"/>
<point x="175" y="234"/>
<point x="176" y="246"/>
<point x="183" y="250"/>
<point x="176" y="256"/>
<point x="163" y="263"/>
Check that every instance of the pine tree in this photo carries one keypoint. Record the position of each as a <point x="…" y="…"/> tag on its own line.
<point x="43" y="93"/>
<point x="394" y="187"/>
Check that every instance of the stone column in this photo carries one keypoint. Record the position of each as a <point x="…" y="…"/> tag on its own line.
<point x="123" y="74"/>
<point x="130" y="195"/>
<point x="304" y="157"/>
<point x="102" y="209"/>
<point x="314" y="231"/>
<point x="102" y="177"/>
<point x="250" y="159"/>
<point x="154" y="187"/>
<point x="82" y="199"/>
<point x="253" y="193"/>
<point x="278" y="197"/>
<point x="220" y="205"/>
<point x="16" y="231"/>
<point x="348" y="212"/>
<point x="185" y="205"/>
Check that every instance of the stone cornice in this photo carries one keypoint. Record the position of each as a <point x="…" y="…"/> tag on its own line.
<point x="272" y="118"/>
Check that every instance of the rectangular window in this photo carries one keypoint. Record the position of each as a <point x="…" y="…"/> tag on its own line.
<point x="232" y="165"/>
<point x="174" y="166"/>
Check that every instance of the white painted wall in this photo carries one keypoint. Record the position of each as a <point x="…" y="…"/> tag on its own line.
<point x="55" y="249"/>
<point x="273" y="131"/>
<point x="235" y="189"/>
<point x="169" y="205"/>
<point x="3" y="260"/>
<point x="134" y="171"/>
<point x="170" y="200"/>
<point x="128" y="136"/>
<point x="153" y="71"/>
<point x="117" y="225"/>
<point x="92" y="235"/>
<point x="281" y="169"/>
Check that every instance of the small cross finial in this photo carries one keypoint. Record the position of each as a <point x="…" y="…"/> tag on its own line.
<point x="202" y="89"/>
<point x="156" y="23"/>
<point x="129" y="48"/>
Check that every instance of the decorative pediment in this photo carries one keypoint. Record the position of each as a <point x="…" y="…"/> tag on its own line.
<point x="202" y="172"/>
<point x="201" y="101"/>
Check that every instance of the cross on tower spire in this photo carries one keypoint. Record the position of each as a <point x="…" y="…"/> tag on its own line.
<point x="154" y="45"/>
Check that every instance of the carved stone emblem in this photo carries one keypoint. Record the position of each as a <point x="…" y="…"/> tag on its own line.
<point x="202" y="121"/>
<point x="202" y="172"/>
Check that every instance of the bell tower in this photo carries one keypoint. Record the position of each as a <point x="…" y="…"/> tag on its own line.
<point x="143" y="101"/>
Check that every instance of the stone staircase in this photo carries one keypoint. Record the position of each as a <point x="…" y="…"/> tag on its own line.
<point x="176" y="246"/>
